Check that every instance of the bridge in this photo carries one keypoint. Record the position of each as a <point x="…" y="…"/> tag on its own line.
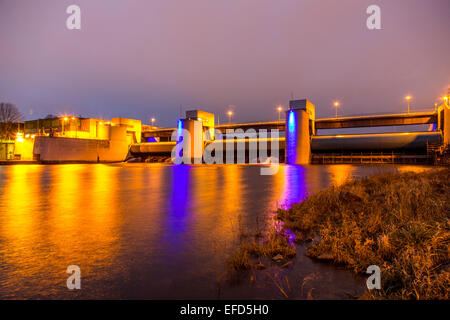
<point x="398" y="119"/>
<point x="416" y="118"/>
<point x="299" y="142"/>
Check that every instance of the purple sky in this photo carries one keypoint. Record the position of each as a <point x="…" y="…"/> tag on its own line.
<point x="144" y="58"/>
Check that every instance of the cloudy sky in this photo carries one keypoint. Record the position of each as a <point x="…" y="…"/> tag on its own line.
<point x="144" y="58"/>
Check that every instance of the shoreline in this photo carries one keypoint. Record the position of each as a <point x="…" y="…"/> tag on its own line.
<point x="35" y="162"/>
<point x="399" y="222"/>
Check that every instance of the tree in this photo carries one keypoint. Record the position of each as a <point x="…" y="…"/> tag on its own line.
<point x="9" y="117"/>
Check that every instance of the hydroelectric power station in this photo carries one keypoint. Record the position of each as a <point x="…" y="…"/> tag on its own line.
<point x="298" y="140"/>
<point x="198" y="139"/>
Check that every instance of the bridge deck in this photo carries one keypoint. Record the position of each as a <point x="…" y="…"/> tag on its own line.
<point x="377" y="120"/>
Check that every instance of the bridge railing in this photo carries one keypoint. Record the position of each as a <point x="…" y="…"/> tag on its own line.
<point x="424" y="110"/>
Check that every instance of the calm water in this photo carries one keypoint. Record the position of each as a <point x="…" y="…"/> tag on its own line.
<point x="154" y="231"/>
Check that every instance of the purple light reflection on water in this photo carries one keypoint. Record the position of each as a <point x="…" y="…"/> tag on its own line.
<point x="180" y="196"/>
<point x="294" y="185"/>
<point x="290" y="236"/>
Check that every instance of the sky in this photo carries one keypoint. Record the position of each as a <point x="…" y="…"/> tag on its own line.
<point x="150" y="58"/>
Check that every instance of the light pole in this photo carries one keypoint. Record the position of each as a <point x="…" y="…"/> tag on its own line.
<point x="153" y="121"/>
<point x="76" y="127"/>
<point x="63" y="125"/>
<point x="336" y="105"/>
<point x="279" y="108"/>
<point x="408" y="98"/>
<point x="230" y="113"/>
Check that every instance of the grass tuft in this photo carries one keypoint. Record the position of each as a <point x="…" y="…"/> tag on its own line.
<point x="399" y="222"/>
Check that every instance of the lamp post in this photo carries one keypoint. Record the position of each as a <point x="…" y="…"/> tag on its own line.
<point x="408" y="99"/>
<point x="279" y="109"/>
<point x="153" y="121"/>
<point x="63" y="125"/>
<point x="230" y="113"/>
<point x="336" y="105"/>
<point x="76" y="127"/>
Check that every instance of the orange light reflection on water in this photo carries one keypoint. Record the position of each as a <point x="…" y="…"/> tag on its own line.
<point x="78" y="216"/>
<point x="340" y="174"/>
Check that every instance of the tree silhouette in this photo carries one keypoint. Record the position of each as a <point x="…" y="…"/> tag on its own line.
<point x="9" y="117"/>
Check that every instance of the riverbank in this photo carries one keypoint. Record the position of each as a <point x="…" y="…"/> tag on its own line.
<point x="400" y="222"/>
<point x="25" y="162"/>
<point x="13" y="162"/>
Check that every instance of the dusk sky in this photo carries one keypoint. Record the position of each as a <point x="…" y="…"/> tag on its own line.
<point x="144" y="58"/>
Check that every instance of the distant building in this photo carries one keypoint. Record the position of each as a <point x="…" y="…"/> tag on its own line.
<point x="83" y="139"/>
<point x="81" y="128"/>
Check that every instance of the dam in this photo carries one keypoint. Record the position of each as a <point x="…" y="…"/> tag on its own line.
<point x="299" y="143"/>
<point x="296" y="140"/>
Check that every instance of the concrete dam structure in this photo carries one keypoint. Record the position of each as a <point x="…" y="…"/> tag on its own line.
<point x="293" y="141"/>
<point x="298" y="142"/>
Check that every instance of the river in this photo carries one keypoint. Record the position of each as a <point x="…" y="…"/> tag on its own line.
<point x="154" y="231"/>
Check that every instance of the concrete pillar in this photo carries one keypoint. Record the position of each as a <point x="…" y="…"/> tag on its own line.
<point x="446" y="124"/>
<point x="299" y="128"/>
<point x="298" y="146"/>
<point x="190" y="133"/>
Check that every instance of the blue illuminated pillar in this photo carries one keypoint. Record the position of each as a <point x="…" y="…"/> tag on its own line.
<point x="189" y="148"/>
<point x="299" y="119"/>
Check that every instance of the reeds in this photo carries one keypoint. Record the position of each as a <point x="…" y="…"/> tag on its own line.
<point x="399" y="222"/>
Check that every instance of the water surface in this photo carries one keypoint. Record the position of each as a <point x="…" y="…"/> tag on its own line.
<point x="152" y="231"/>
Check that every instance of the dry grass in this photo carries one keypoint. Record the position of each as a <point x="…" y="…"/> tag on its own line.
<point x="255" y="246"/>
<point x="399" y="222"/>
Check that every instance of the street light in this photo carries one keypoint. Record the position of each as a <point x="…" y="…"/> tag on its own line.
<point x="76" y="127"/>
<point x="445" y="98"/>
<point x="19" y="137"/>
<point x="408" y="98"/>
<point x="336" y="105"/>
<point x="153" y="121"/>
<point x="230" y="113"/>
<point x="279" y="108"/>
<point x="63" y="123"/>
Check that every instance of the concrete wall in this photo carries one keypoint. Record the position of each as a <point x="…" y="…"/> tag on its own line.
<point x="298" y="139"/>
<point x="299" y="129"/>
<point x="446" y="124"/>
<point x="207" y="119"/>
<point x="190" y="133"/>
<point x="134" y="128"/>
<point x="94" y="128"/>
<point x="57" y="149"/>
